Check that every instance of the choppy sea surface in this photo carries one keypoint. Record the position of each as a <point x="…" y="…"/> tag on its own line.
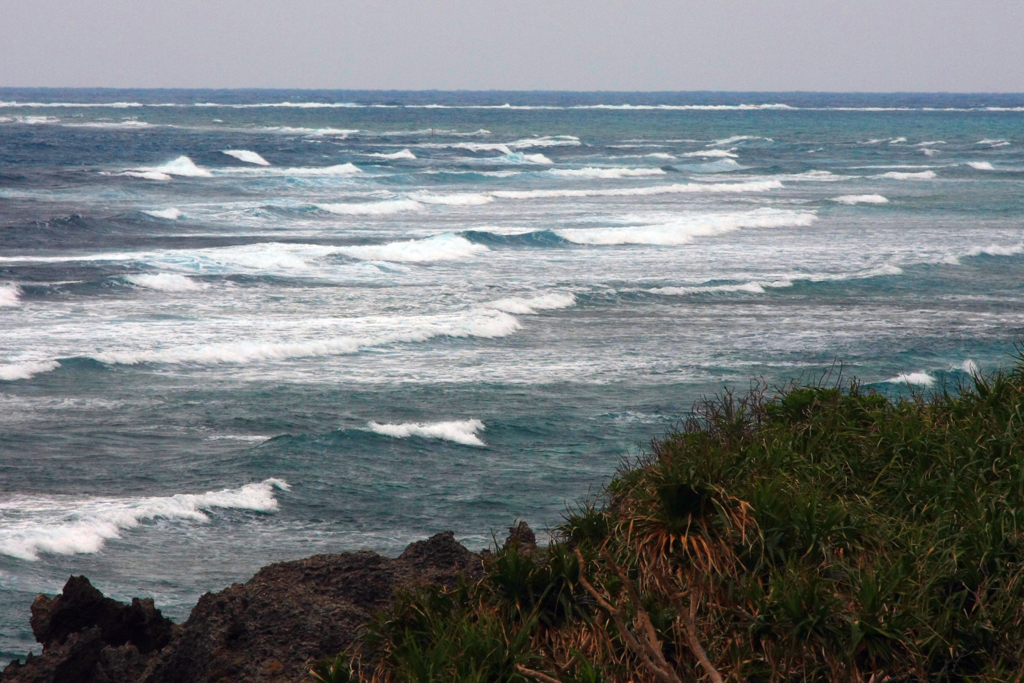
<point x="238" y="327"/>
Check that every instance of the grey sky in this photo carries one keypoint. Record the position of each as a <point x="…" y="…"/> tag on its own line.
<point x="837" y="45"/>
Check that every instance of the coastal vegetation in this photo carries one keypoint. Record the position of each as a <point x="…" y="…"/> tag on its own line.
<point x="818" y="532"/>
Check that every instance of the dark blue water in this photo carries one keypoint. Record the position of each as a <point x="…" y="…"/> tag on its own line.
<point x="243" y="326"/>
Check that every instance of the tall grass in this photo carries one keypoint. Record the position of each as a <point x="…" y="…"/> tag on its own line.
<point x="820" y="533"/>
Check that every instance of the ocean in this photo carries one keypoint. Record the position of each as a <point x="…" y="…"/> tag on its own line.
<point x="238" y="327"/>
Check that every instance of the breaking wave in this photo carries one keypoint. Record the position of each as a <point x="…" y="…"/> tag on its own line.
<point x="860" y="199"/>
<point x="608" y="173"/>
<point x="779" y="282"/>
<point x="684" y="230"/>
<point x="182" y="166"/>
<point x="711" y="153"/>
<point x="678" y="188"/>
<point x="980" y="165"/>
<point x="444" y="247"/>
<point x="481" y="324"/>
<point x="898" y="175"/>
<point x="26" y="369"/>
<point x="9" y="295"/>
<point x="404" y="154"/>
<point x="529" y="306"/>
<point x="246" y="156"/>
<point x="167" y="214"/>
<point x="917" y="378"/>
<point x="459" y="431"/>
<point x="165" y="282"/>
<point x="65" y="526"/>
<point x="381" y="208"/>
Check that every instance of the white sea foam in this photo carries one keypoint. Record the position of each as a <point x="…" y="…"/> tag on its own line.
<point x="918" y="378"/>
<point x="481" y="324"/>
<point x="10" y="295"/>
<point x="65" y="526"/>
<point x="404" y="154"/>
<point x="607" y="173"/>
<point x="445" y="247"/>
<point x="165" y="282"/>
<point x="246" y="156"/>
<point x="182" y="166"/>
<point x="685" y="229"/>
<point x="660" y="155"/>
<point x="860" y="199"/>
<point x="168" y="214"/>
<point x="930" y="143"/>
<point x="459" y="431"/>
<point x="897" y="141"/>
<point x="381" y="208"/>
<point x="530" y="305"/>
<point x="898" y="175"/>
<point x="980" y="165"/>
<point x="998" y="142"/>
<point x="678" y="188"/>
<point x="929" y="152"/>
<point x="25" y="369"/>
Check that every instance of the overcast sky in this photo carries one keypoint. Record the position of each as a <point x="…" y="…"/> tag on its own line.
<point x="765" y="45"/>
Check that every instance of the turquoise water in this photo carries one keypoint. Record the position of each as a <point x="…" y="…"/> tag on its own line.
<point x="234" y="333"/>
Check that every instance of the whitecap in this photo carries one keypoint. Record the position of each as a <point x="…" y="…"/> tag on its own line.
<point x="346" y="169"/>
<point x="182" y="166"/>
<point x="146" y="175"/>
<point x="685" y="229"/>
<point x="678" y="188"/>
<point x="711" y="153"/>
<point x="737" y="138"/>
<point x="897" y="175"/>
<point x="445" y="247"/>
<point x="480" y="324"/>
<point x="246" y="156"/>
<point x="457" y="199"/>
<point x="660" y="155"/>
<point x="860" y="199"/>
<point x="381" y="208"/>
<point x="26" y="369"/>
<point x="996" y="250"/>
<point x="10" y="294"/>
<point x="520" y="158"/>
<point x="165" y="282"/>
<point x="530" y="305"/>
<point x="460" y="431"/>
<point x="606" y="173"/>
<point x="404" y="154"/>
<point x="66" y="526"/>
<point x="917" y="378"/>
<point x="980" y="165"/>
<point x="167" y="214"/>
<point x="969" y="367"/>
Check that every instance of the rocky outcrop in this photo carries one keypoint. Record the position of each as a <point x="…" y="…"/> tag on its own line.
<point x="289" y="615"/>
